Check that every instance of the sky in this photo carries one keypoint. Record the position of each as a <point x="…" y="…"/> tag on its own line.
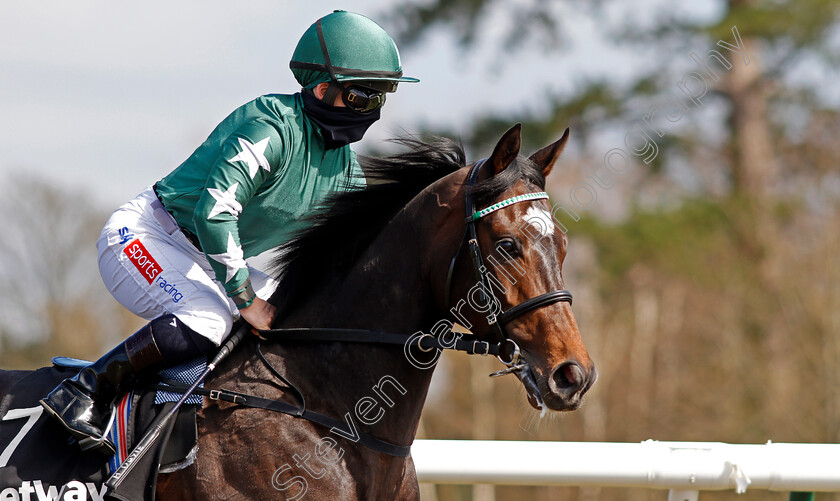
<point x="108" y="97"/>
<point x="103" y="99"/>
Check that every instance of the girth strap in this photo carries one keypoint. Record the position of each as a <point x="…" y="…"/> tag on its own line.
<point x="246" y="400"/>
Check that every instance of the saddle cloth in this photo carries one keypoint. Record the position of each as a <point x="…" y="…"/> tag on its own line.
<point x="39" y="460"/>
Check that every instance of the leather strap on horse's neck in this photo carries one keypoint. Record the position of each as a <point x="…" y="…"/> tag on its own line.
<point x="253" y="401"/>
<point x="467" y="343"/>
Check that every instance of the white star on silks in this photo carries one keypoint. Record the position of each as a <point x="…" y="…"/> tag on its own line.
<point x="233" y="258"/>
<point x="253" y="154"/>
<point x="225" y="201"/>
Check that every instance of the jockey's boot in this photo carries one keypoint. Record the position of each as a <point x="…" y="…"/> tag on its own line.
<point x="83" y="403"/>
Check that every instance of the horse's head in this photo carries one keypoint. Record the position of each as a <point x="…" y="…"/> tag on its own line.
<point x="519" y="257"/>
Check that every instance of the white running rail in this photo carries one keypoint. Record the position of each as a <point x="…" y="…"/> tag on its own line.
<point x="685" y="468"/>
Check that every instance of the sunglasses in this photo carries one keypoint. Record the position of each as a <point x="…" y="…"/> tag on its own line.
<point x="362" y="100"/>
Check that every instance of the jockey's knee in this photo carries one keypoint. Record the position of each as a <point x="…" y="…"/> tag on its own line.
<point x="176" y="341"/>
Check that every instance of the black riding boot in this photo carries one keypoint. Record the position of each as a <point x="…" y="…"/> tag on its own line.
<point x="82" y="404"/>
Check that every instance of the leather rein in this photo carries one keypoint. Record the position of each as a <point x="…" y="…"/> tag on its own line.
<point x="501" y="345"/>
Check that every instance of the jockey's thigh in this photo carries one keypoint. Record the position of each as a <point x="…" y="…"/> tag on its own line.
<point x="153" y="272"/>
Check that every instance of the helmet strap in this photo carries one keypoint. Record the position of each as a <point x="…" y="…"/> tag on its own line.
<point x="333" y="91"/>
<point x="334" y="88"/>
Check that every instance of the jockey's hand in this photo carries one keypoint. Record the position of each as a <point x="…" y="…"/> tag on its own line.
<point x="259" y="314"/>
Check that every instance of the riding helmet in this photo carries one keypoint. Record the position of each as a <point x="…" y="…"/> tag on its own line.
<point x="344" y="46"/>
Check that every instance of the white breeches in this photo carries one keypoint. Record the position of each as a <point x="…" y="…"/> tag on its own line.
<point x="151" y="268"/>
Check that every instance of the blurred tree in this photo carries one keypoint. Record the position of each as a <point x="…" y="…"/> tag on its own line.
<point x="53" y="302"/>
<point x="710" y="304"/>
<point x="778" y="37"/>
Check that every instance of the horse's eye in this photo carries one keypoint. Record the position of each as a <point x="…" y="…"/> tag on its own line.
<point x="508" y="245"/>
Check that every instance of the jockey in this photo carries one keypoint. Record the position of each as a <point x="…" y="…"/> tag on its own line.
<point x="175" y="255"/>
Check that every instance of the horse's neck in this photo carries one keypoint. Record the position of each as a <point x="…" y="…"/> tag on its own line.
<point x="390" y="289"/>
<point x="393" y="286"/>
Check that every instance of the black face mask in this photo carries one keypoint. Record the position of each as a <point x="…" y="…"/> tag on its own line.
<point x="339" y="126"/>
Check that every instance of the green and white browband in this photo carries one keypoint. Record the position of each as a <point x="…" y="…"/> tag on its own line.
<point x="504" y="203"/>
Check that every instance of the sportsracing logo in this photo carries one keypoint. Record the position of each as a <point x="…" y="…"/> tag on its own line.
<point x="137" y="254"/>
<point x="150" y="269"/>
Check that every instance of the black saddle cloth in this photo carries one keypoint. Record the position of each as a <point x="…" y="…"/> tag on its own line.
<point x="37" y="455"/>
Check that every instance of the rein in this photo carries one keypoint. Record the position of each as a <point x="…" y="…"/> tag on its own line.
<point x="500" y="346"/>
<point x="465" y="342"/>
<point x="301" y="411"/>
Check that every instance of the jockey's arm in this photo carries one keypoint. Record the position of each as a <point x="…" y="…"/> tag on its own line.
<point x="248" y="157"/>
<point x="259" y="314"/>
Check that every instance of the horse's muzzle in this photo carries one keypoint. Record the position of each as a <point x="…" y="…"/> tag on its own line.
<point x="566" y="385"/>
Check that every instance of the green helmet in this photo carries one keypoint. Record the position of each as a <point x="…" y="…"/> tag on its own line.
<point x="344" y="46"/>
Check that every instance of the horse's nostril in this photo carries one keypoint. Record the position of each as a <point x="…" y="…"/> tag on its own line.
<point x="569" y="376"/>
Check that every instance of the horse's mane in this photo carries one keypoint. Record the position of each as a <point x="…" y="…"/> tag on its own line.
<point x="341" y="229"/>
<point x="346" y="223"/>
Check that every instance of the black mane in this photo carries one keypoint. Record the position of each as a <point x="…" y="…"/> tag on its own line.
<point x="487" y="191"/>
<point x="346" y="223"/>
<point x="342" y="228"/>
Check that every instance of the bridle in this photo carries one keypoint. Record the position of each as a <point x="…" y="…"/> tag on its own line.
<point x="509" y="352"/>
<point x="500" y="345"/>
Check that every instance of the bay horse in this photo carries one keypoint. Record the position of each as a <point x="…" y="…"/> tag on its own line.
<point x="397" y="257"/>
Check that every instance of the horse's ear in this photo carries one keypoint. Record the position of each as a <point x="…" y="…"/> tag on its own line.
<point x="506" y="149"/>
<point x="546" y="157"/>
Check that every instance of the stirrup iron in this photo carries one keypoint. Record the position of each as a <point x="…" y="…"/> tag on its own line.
<point x="103" y="443"/>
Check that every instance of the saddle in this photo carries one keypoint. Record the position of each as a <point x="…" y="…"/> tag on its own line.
<point x="36" y="453"/>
